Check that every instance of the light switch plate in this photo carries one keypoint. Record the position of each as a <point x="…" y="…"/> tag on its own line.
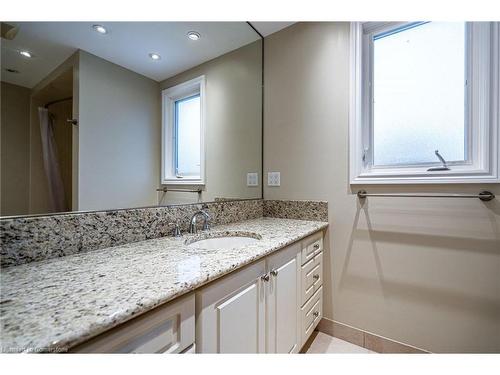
<point x="252" y="179"/>
<point x="273" y="179"/>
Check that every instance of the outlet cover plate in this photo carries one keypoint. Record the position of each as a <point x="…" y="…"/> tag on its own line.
<point x="273" y="179"/>
<point x="252" y="179"/>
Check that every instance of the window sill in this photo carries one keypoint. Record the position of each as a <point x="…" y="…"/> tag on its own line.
<point x="375" y="179"/>
<point x="485" y="172"/>
<point x="183" y="181"/>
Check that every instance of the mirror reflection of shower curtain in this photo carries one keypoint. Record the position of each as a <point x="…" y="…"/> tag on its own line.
<point x="50" y="162"/>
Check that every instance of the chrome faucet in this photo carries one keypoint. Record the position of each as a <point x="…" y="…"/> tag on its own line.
<point x="206" y="222"/>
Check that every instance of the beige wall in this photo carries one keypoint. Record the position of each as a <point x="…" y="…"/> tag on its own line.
<point x="233" y="123"/>
<point x="119" y="136"/>
<point x="425" y="272"/>
<point x="14" y="133"/>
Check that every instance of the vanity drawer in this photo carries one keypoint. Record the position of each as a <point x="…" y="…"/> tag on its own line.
<point x="166" y="329"/>
<point x="312" y="312"/>
<point x="312" y="246"/>
<point x="312" y="277"/>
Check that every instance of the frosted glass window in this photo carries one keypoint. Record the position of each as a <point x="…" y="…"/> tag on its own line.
<point x="419" y="94"/>
<point x="187" y="136"/>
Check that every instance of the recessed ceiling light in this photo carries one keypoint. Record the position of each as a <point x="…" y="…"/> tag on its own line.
<point x="154" y="56"/>
<point x="26" y="54"/>
<point x="100" y="29"/>
<point x="193" y="35"/>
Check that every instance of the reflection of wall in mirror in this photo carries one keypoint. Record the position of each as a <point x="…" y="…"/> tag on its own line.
<point x="14" y="133"/>
<point x="233" y="124"/>
<point x="119" y="136"/>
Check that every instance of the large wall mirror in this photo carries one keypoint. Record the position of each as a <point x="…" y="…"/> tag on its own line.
<point x="128" y="114"/>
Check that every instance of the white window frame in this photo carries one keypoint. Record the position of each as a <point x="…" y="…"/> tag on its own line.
<point x="169" y="97"/>
<point x="483" y="57"/>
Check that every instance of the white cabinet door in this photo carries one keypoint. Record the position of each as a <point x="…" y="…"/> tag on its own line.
<point x="283" y="301"/>
<point x="241" y="321"/>
<point x="231" y="313"/>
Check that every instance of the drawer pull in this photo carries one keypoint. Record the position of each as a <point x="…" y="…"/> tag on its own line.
<point x="316" y="246"/>
<point x="316" y="277"/>
<point x="316" y="314"/>
<point x="265" y="277"/>
<point x="274" y="272"/>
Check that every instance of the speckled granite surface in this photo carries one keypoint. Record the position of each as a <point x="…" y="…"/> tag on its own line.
<point x="57" y="303"/>
<point x="300" y="210"/>
<point x="25" y="240"/>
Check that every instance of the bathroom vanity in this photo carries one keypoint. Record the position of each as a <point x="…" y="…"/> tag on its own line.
<point x="271" y="306"/>
<point x="168" y="295"/>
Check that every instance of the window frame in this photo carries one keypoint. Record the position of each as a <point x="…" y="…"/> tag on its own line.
<point x="481" y="111"/>
<point x="170" y="96"/>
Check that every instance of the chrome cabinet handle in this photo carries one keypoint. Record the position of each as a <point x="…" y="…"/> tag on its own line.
<point x="316" y="246"/>
<point x="316" y="314"/>
<point x="274" y="272"/>
<point x="265" y="277"/>
<point x="316" y="277"/>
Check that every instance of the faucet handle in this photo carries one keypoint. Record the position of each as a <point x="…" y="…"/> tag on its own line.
<point x="177" y="229"/>
<point x="206" y="223"/>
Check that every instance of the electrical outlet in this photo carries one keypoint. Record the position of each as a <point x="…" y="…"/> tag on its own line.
<point x="252" y="179"/>
<point x="273" y="179"/>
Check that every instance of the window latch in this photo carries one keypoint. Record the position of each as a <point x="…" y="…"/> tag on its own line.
<point x="363" y="157"/>
<point x="443" y="167"/>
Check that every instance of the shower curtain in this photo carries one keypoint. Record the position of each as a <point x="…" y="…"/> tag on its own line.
<point x="57" y="199"/>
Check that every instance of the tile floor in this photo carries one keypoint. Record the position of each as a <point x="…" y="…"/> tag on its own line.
<point x="323" y="343"/>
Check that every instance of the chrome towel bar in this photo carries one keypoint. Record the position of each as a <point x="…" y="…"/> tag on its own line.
<point x="165" y="189"/>
<point x="484" y="195"/>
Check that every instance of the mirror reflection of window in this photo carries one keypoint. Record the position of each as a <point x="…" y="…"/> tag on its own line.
<point x="187" y="136"/>
<point x="183" y="133"/>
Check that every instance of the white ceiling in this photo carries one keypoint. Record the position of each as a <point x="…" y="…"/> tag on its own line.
<point x="268" y="28"/>
<point x="127" y="44"/>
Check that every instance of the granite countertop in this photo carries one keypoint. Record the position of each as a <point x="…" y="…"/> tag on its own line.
<point x="55" y="304"/>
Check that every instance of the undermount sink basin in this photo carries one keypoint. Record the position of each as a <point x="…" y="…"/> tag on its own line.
<point x="221" y="241"/>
